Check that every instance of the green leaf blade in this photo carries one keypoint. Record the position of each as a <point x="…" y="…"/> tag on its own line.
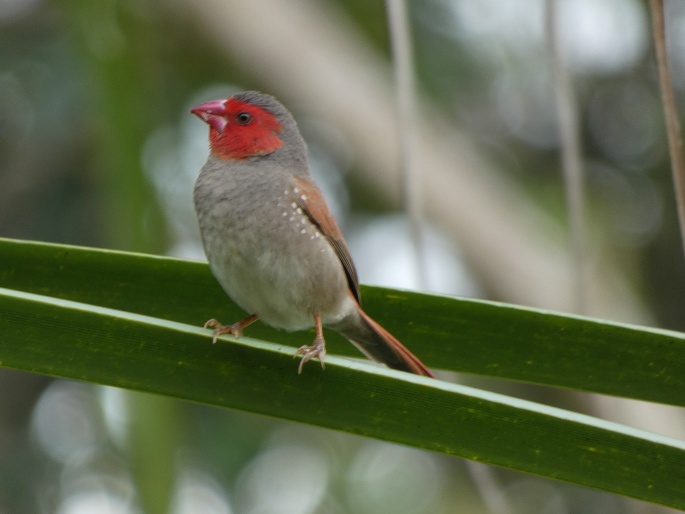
<point x="484" y="338"/>
<point x="117" y="348"/>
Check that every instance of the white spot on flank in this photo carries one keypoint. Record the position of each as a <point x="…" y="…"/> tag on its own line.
<point x="295" y="190"/>
<point x="303" y="231"/>
<point x="316" y="234"/>
<point x="285" y="213"/>
<point x="303" y="221"/>
<point x="293" y="205"/>
<point x="303" y="198"/>
<point x="299" y="211"/>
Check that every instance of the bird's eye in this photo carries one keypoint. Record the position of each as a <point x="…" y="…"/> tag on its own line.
<point x="243" y="118"/>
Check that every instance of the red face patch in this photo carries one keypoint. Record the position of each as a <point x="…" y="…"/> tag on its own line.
<point x="238" y="130"/>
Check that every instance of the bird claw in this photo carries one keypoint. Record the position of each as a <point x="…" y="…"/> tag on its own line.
<point x="236" y="329"/>
<point x="317" y="349"/>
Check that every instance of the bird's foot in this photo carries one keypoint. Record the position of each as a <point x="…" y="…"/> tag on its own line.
<point x="236" y="329"/>
<point x="316" y="349"/>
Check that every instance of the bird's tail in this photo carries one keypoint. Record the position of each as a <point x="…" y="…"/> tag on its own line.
<point x="380" y="345"/>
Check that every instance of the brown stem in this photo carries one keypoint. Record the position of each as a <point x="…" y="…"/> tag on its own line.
<point x="675" y="143"/>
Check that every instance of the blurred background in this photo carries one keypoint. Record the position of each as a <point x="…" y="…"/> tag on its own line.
<point x="97" y="148"/>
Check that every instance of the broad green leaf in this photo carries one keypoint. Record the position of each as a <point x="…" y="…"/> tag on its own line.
<point x="96" y="344"/>
<point x="464" y="335"/>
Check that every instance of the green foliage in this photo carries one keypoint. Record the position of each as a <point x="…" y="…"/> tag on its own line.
<point x="133" y="321"/>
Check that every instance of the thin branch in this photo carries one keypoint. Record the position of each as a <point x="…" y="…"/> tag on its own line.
<point x="571" y="158"/>
<point x="401" y="44"/>
<point x="675" y="142"/>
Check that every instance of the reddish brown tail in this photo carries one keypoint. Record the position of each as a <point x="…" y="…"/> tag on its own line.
<point x="380" y="345"/>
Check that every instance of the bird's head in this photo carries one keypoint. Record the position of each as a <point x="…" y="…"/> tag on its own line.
<point x="244" y="125"/>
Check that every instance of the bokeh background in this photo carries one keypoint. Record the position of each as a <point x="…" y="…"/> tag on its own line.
<point x="97" y="148"/>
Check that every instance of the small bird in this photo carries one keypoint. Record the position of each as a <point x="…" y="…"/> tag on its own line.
<point x="271" y="240"/>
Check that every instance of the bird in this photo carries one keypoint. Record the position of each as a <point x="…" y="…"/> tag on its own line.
<point x="270" y="238"/>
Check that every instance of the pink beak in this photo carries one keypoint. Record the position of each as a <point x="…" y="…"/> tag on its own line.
<point x="213" y="113"/>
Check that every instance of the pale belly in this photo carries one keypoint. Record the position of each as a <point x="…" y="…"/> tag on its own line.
<point x="285" y="284"/>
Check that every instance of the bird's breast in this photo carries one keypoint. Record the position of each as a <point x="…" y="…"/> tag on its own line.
<point x="266" y="253"/>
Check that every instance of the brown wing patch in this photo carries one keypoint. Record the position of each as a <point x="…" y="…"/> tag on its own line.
<point x="313" y="204"/>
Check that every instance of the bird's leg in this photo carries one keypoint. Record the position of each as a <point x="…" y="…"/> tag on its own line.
<point x="316" y="349"/>
<point x="236" y="330"/>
